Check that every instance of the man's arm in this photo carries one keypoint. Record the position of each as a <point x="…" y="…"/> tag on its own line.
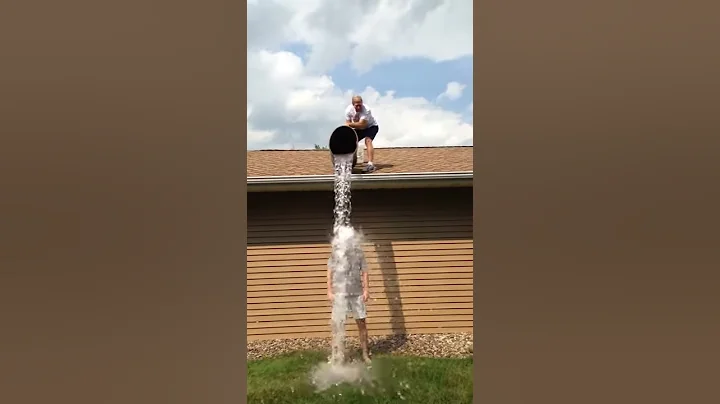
<point x="365" y="279"/>
<point x="348" y="117"/>
<point x="364" y="119"/>
<point x="358" y="125"/>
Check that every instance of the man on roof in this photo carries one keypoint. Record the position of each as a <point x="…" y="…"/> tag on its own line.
<point x="359" y="117"/>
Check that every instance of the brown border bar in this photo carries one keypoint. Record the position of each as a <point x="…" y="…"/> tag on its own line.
<point x="596" y="198"/>
<point x="123" y="193"/>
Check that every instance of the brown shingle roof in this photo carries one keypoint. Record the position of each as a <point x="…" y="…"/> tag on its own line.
<point x="277" y="163"/>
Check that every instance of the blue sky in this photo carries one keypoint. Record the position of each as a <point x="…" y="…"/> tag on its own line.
<point x="412" y="77"/>
<point x="424" y="46"/>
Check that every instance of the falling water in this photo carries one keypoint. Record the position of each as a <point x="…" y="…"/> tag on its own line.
<point x="343" y="177"/>
<point x="345" y="242"/>
<point x="342" y="236"/>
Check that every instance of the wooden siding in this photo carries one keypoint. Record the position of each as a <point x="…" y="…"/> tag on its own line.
<point x="418" y="244"/>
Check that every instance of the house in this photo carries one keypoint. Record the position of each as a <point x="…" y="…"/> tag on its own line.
<point x="415" y="213"/>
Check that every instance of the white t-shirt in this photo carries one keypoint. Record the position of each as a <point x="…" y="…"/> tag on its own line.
<point x="354" y="116"/>
<point x="353" y="276"/>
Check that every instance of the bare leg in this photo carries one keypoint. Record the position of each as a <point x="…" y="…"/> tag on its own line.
<point x="370" y="150"/>
<point x="363" y="333"/>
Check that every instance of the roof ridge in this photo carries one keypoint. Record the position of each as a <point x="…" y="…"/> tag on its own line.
<point x="391" y="160"/>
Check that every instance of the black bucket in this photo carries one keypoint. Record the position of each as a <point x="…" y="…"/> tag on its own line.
<point x="343" y="140"/>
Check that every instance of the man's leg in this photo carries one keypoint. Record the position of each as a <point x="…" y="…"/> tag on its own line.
<point x="369" y="149"/>
<point x="361" y="138"/>
<point x="362" y="330"/>
<point x="370" y="134"/>
<point x="360" y="314"/>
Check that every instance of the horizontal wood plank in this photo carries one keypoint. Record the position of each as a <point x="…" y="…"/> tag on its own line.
<point x="321" y="288"/>
<point x="392" y="222"/>
<point x="387" y="266"/>
<point x="397" y="245"/>
<point x="317" y="238"/>
<point x="377" y="275"/>
<point x="398" y="322"/>
<point x="320" y="294"/>
<point x="320" y="302"/>
<point x="321" y="277"/>
<point x="300" y="260"/>
<point x="435" y="227"/>
<point x="377" y="287"/>
<point x="372" y="310"/>
<point x="370" y="252"/>
<point x="373" y="329"/>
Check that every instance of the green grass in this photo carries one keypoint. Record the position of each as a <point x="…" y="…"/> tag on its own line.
<point x="398" y="379"/>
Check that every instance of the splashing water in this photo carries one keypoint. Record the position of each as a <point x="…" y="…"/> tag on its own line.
<point x="327" y="375"/>
<point x="345" y="243"/>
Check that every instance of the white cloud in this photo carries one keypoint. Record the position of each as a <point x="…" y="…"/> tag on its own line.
<point x="295" y="104"/>
<point x="453" y="91"/>
<point x="367" y="31"/>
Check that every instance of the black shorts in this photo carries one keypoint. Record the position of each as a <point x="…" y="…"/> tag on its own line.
<point x="369" y="132"/>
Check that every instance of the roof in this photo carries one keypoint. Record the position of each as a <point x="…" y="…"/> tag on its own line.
<point x="395" y="160"/>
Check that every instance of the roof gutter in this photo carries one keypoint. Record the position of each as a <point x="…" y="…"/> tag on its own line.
<point x="361" y="181"/>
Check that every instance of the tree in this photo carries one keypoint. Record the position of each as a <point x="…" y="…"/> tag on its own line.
<point x="318" y="147"/>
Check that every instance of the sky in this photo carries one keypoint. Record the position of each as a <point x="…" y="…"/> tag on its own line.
<point x="410" y="60"/>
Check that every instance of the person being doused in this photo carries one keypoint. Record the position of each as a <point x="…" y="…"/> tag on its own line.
<point x="348" y="281"/>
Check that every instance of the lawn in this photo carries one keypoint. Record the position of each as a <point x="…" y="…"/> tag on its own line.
<point x="397" y="379"/>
